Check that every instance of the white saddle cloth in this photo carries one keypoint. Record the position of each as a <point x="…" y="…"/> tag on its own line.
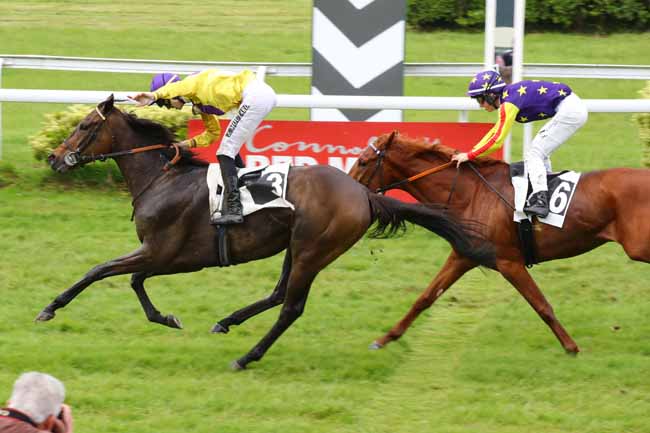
<point x="267" y="191"/>
<point x="560" y="193"/>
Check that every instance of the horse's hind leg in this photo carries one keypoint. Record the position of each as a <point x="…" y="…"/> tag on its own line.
<point x="519" y="277"/>
<point x="137" y="283"/>
<point x="634" y="235"/>
<point x="137" y="261"/>
<point x="276" y="298"/>
<point x="298" y="286"/>
<point x="454" y="268"/>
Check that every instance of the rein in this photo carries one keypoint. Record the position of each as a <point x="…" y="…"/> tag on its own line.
<point x="415" y="177"/>
<point x="105" y="156"/>
<point x="489" y="185"/>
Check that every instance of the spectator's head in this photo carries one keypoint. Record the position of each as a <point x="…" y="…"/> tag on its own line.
<point x="38" y="395"/>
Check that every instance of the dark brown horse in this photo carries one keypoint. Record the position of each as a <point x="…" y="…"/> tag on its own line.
<point x="608" y="205"/>
<point x="332" y="212"/>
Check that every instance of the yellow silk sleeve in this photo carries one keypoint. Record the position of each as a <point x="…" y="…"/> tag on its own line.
<point x="212" y="130"/>
<point x="495" y="137"/>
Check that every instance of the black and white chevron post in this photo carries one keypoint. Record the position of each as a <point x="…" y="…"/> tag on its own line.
<point x="358" y="49"/>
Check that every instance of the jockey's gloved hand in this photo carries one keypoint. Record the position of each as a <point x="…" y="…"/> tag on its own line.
<point x="144" y="98"/>
<point x="187" y="144"/>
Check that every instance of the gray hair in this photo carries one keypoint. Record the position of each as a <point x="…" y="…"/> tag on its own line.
<point x="39" y="395"/>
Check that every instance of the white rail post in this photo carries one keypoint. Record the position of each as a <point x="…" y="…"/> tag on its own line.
<point x="518" y="59"/>
<point x="490" y="23"/>
<point x="261" y="73"/>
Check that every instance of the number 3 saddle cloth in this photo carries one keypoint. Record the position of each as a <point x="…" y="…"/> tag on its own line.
<point x="259" y="187"/>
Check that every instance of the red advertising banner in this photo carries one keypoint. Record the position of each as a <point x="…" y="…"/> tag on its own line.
<point x="335" y="143"/>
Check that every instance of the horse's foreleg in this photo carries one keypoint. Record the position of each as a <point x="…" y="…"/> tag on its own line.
<point x="137" y="261"/>
<point x="298" y="287"/>
<point x="276" y="298"/>
<point x="453" y="269"/>
<point x="137" y="283"/>
<point x="519" y="277"/>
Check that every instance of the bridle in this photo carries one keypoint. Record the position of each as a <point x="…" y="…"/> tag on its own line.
<point x="379" y="169"/>
<point x="73" y="156"/>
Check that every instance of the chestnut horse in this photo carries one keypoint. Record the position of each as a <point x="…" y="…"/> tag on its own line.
<point x="608" y="205"/>
<point x="332" y="212"/>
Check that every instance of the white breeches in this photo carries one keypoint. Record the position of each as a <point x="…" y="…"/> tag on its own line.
<point x="258" y="99"/>
<point x="571" y="114"/>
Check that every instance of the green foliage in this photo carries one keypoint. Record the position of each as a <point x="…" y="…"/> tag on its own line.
<point x="7" y="173"/>
<point x="643" y="120"/>
<point x="602" y="16"/>
<point x="59" y="125"/>
<point x="431" y="14"/>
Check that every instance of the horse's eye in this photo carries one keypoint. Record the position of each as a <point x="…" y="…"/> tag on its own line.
<point x="83" y="126"/>
<point x="362" y="162"/>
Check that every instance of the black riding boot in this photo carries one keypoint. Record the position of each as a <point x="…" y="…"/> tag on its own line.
<point x="231" y="209"/>
<point x="537" y="204"/>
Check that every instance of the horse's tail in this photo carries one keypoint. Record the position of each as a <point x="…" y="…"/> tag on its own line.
<point x="464" y="236"/>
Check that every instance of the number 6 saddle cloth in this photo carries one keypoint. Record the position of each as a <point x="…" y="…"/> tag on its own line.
<point x="259" y="187"/>
<point x="561" y="187"/>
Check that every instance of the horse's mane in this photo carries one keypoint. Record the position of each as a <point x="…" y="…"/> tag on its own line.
<point x="420" y="145"/>
<point x="159" y="134"/>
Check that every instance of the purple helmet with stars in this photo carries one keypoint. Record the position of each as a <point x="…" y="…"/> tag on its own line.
<point x="160" y="80"/>
<point x="484" y="82"/>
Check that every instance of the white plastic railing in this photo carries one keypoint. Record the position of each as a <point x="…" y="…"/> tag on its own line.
<point x="439" y="69"/>
<point x="319" y="101"/>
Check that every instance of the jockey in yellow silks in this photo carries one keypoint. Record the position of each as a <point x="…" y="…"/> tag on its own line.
<point x="213" y="93"/>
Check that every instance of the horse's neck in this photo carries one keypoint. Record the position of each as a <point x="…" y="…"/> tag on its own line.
<point x="457" y="186"/>
<point x="422" y="189"/>
<point x="138" y="168"/>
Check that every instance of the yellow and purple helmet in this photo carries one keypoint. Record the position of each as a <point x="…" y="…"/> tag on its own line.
<point x="485" y="82"/>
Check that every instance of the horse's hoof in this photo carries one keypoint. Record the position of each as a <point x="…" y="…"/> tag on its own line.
<point x="573" y="352"/>
<point x="44" y="316"/>
<point x="236" y="366"/>
<point x="375" y="346"/>
<point x="173" y="321"/>
<point x="219" y="329"/>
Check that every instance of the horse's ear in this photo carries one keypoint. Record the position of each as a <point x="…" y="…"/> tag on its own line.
<point x="391" y="137"/>
<point x="106" y="106"/>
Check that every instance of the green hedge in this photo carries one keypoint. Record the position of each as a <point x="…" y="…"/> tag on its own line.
<point x="644" y="128"/>
<point x="602" y="16"/>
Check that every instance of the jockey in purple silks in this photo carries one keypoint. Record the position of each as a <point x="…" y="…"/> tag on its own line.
<point x="527" y="101"/>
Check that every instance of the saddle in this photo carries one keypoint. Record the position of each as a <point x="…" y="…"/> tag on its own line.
<point x="561" y="187"/>
<point x="259" y="187"/>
